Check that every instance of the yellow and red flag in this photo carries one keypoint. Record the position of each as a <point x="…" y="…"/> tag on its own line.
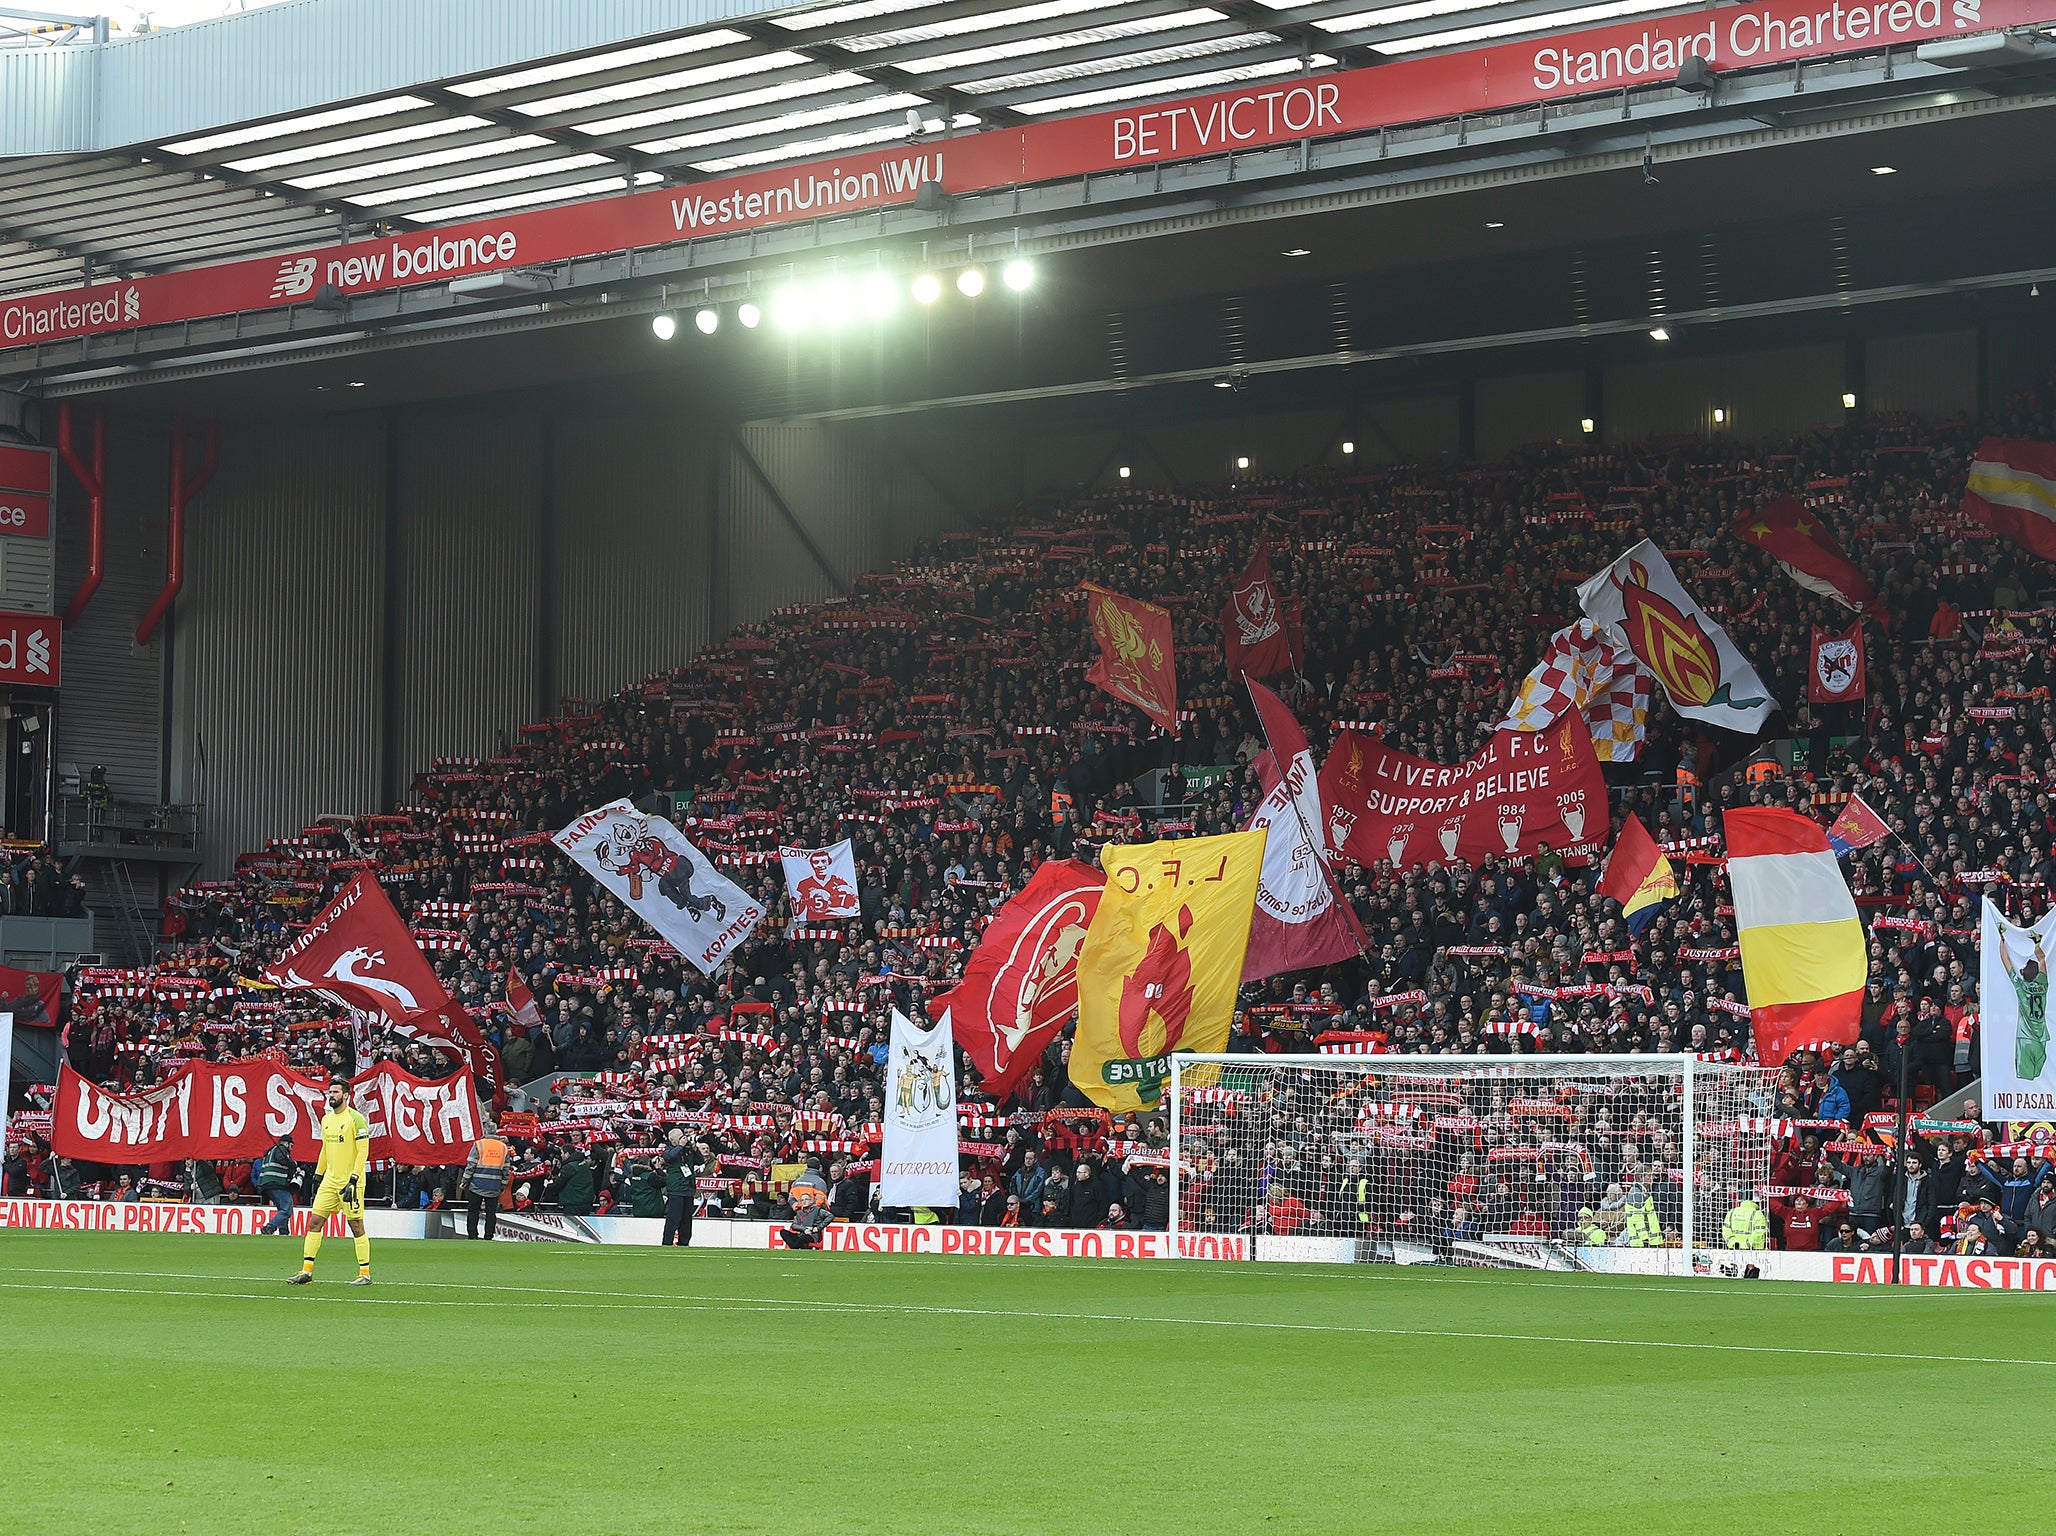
<point x="1638" y="876"/>
<point x="2012" y="491"/>
<point x="1639" y="601"/>
<point x="1803" y="957"/>
<point x="1136" y="654"/>
<point x="1161" y="962"/>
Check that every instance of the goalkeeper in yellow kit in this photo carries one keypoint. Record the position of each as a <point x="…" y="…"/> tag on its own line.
<point x="345" y="1150"/>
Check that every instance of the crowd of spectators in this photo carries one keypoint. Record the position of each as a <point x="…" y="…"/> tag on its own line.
<point x="940" y="716"/>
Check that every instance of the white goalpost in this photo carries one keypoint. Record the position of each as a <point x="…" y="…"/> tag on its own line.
<point x="1548" y="1162"/>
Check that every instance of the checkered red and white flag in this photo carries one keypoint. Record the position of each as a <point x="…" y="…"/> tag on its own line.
<point x="1583" y="669"/>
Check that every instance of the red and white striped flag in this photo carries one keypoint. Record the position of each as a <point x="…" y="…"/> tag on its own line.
<point x="521" y="1002"/>
<point x="2012" y="491"/>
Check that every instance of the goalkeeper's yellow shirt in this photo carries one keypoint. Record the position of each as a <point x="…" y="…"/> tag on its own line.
<point x="345" y="1146"/>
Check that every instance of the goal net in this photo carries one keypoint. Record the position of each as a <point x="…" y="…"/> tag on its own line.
<point x="1554" y="1162"/>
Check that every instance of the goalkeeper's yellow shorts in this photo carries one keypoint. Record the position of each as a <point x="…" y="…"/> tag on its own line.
<point x="328" y="1199"/>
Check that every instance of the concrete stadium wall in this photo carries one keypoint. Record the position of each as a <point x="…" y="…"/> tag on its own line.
<point x="365" y="593"/>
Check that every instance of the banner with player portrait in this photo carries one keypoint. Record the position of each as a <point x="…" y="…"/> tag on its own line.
<point x="917" y="1161"/>
<point x="2017" y="1077"/>
<point x="646" y="864"/>
<point x="821" y="882"/>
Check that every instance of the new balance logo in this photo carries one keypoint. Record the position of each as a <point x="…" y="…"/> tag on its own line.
<point x="295" y="277"/>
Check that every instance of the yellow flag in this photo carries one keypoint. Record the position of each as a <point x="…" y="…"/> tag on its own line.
<point x="1161" y="962"/>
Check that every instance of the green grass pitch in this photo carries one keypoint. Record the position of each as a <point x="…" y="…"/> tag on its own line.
<point x="175" y="1384"/>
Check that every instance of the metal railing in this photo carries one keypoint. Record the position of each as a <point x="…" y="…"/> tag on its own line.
<point x="89" y="823"/>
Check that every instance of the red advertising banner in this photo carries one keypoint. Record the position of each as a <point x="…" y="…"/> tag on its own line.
<point x="237" y="1109"/>
<point x="27" y="469"/>
<point x="1497" y="78"/>
<point x="1525" y="791"/>
<point x="30" y="646"/>
<point x="28" y="479"/>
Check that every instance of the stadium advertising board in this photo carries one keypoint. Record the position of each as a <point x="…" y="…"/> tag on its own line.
<point x="28" y="479"/>
<point x="150" y="1216"/>
<point x="1027" y="1242"/>
<point x="1257" y="115"/>
<point x="1507" y="1251"/>
<point x="31" y="647"/>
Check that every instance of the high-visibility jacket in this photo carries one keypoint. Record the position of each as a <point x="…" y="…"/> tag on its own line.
<point x="485" y="1170"/>
<point x="1363" y="1201"/>
<point x="1644" y="1230"/>
<point x="1745" y="1226"/>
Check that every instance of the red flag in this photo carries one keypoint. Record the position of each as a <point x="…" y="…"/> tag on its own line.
<point x="1835" y="672"/>
<point x="359" y="952"/>
<point x="1792" y="534"/>
<point x="2012" y="491"/>
<point x="1136" y="652"/>
<point x="521" y="1001"/>
<point x="1020" y="985"/>
<point x="1857" y="827"/>
<point x="1299" y="921"/>
<point x="1259" y="630"/>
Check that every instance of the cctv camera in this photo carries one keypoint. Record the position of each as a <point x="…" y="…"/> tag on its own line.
<point x="1648" y="169"/>
<point x="915" y="127"/>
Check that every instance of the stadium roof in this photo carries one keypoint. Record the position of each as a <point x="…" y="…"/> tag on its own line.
<point x="290" y="126"/>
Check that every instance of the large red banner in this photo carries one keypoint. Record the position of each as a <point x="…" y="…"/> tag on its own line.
<point x="1524" y="791"/>
<point x="359" y="951"/>
<point x="1563" y="65"/>
<point x="237" y="1109"/>
<point x="1020" y="985"/>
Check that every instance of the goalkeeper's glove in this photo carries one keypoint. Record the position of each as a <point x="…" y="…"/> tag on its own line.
<point x="350" y="1190"/>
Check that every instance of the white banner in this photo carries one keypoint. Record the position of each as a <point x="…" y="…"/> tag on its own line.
<point x="2014" y="1070"/>
<point x="821" y="882"/>
<point x="918" y="1157"/>
<point x="647" y="863"/>
<point x="1643" y="607"/>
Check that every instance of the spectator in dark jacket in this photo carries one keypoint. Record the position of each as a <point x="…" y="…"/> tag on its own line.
<point x="573" y="1190"/>
<point x="1089" y="1196"/>
<point x="275" y="1183"/>
<point x="2041" y="1210"/>
<point x="2012" y="1188"/>
<point x="1869" y="1182"/>
<point x="1028" y="1178"/>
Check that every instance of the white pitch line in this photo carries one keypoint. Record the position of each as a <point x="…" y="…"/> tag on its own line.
<point x="1361" y="1274"/>
<point x="845" y="1308"/>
